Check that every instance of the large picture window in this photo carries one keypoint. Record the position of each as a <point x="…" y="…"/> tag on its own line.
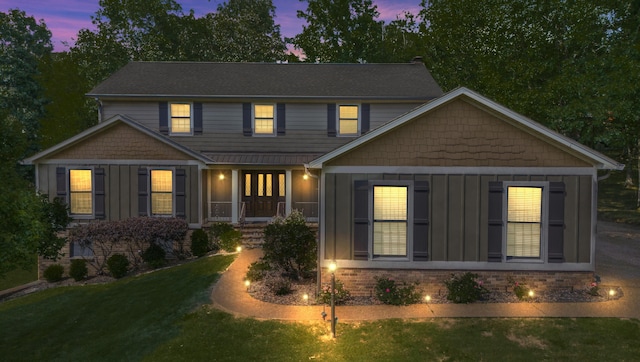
<point x="263" y="119"/>
<point x="524" y="222"/>
<point x="180" y="118"/>
<point x="81" y="192"/>
<point x="161" y="192"/>
<point x="348" y="120"/>
<point x="390" y="221"/>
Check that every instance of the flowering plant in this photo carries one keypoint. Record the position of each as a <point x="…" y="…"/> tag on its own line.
<point x="389" y="292"/>
<point x="465" y="288"/>
<point x="594" y="289"/>
<point x="341" y="294"/>
<point x="519" y="289"/>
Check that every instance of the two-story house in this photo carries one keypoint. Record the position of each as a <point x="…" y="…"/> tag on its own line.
<point x="401" y="178"/>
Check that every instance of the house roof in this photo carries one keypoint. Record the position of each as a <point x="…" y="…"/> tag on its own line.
<point x="406" y="81"/>
<point x="88" y="133"/>
<point x="599" y="160"/>
<point x="256" y="158"/>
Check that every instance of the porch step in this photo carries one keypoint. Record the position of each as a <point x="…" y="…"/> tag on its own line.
<point x="253" y="233"/>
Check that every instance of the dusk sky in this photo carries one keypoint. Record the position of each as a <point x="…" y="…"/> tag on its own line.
<point x="65" y="17"/>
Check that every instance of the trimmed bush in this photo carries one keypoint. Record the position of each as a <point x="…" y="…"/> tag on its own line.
<point x="199" y="243"/>
<point x="290" y="244"/>
<point x="389" y="292"/>
<point x="465" y="288"/>
<point x="53" y="273"/>
<point x="78" y="269"/>
<point x="118" y="265"/>
<point x="154" y="256"/>
<point x="280" y="285"/>
<point x="224" y="236"/>
<point x="257" y="271"/>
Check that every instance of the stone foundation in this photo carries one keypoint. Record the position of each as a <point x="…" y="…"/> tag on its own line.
<point x="361" y="282"/>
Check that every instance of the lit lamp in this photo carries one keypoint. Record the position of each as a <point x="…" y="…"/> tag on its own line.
<point x="305" y="297"/>
<point x="612" y="292"/>
<point x="221" y="177"/>
<point x="427" y="298"/>
<point x="530" y="293"/>
<point x="247" y="283"/>
<point x="332" y="269"/>
<point x="305" y="177"/>
<point x="239" y="249"/>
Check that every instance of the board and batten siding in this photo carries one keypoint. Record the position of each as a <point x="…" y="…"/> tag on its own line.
<point x="121" y="188"/>
<point x="458" y="222"/>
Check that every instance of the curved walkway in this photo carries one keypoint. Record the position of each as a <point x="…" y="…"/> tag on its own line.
<point x="230" y="294"/>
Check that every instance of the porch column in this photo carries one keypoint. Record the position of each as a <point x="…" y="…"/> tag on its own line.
<point x="288" y="188"/>
<point x="235" y="205"/>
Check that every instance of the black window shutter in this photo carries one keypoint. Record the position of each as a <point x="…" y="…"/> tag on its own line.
<point x="361" y="220"/>
<point x="181" y="188"/>
<point x="421" y="221"/>
<point x="197" y="118"/>
<point x="281" y="114"/>
<point x="143" y="193"/>
<point x="99" y="193"/>
<point x="496" y="223"/>
<point x="365" y="113"/>
<point x="331" y="120"/>
<point x="246" y="119"/>
<point x="556" y="222"/>
<point x="164" y="117"/>
<point x="61" y="183"/>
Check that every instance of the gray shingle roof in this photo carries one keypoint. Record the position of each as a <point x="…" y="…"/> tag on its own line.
<point x="273" y="159"/>
<point x="411" y="81"/>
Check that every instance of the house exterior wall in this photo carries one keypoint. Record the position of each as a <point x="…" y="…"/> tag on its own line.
<point x="304" y="194"/>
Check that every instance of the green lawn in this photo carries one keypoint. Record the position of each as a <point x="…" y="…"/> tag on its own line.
<point x="164" y="316"/>
<point x="18" y="277"/>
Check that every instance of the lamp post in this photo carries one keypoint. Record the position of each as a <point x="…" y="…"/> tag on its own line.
<point x="332" y="269"/>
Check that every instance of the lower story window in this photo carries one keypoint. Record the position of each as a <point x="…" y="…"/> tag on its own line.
<point x="390" y="221"/>
<point x="524" y="222"/>
<point x="80" y="192"/>
<point x="161" y="192"/>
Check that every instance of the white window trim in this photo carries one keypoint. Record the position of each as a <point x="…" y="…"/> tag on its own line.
<point x="338" y="133"/>
<point x="173" y="192"/>
<point x="253" y="120"/>
<point x="410" y="193"/>
<point x="190" y="133"/>
<point x="93" y="192"/>
<point x="544" y="229"/>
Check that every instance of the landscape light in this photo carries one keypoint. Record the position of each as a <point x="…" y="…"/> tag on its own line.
<point x="239" y="249"/>
<point x="333" y="267"/>
<point x="305" y="297"/>
<point x="427" y="298"/>
<point x="612" y="292"/>
<point x="247" y="283"/>
<point x="530" y="293"/>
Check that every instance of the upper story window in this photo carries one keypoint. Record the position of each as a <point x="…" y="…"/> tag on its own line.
<point x="80" y="192"/>
<point x="161" y="192"/>
<point x="524" y="222"/>
<point x="263" y="119"/>
<point x="181" y="120"/>
<point x="347" y="120"/>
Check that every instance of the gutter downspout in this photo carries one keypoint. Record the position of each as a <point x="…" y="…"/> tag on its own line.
<point x="99" y="102"/>
<point x="318" y="261"/>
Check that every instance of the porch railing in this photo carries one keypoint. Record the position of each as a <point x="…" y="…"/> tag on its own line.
<point x="220" y="210"/>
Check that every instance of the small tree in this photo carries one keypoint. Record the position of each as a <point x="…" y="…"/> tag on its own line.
<point x="290" y="244"/>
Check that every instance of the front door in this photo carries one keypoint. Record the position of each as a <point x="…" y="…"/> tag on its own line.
<point x="261" y="192"/>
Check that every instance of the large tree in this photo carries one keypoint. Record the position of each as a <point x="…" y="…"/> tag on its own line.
<point x="340" y="31"/>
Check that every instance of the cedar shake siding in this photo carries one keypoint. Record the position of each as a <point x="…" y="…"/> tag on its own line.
<point x="120" y="142"/>
<point x="456" y="228"/>
<point x="459" y="134"/>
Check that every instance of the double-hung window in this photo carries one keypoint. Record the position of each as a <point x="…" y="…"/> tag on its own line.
<point x="390" y="216"/>
<point x="161" y="192"/>
<point x="263" y="119"/>
<point x="80" y="192"/>
<point x="181" y="120"/>
<point x="524" y="222"/>
<point x="348" y="120"/>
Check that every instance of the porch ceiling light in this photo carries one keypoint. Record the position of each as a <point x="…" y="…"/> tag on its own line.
<point x="221" y="176"/>
<point x="305" y="177"/>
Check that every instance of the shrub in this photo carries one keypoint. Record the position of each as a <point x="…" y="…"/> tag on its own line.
<point x="257" y="270"/>
<point x="290" y="244"/>
<point x="341" y="294"/>
<point x="279" y="285"/>
<point x="389" y="292"/>
<point x="154" y="256"/>
<point x="53" y="273"/>
<point x="465" y="288"/>
<point x="118" y="265"/>
<point x="78" y="269"/>
<point x="224" y="236"/>
<point x="199" y="243"/>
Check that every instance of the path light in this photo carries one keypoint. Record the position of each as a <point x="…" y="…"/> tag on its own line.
<point x="612" y="292"/>
<point x="332" y="269"/>
<point x="427" y="298"/>
<point x="305" y="297"/>
<point x="247" y="283"/>
<point x="239" y="249"/>
<point x="530" y="293"/>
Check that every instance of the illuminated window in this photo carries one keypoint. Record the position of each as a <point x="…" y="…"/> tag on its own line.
<point x="180" y="118"/>
<point x="390" y="221"/>
<point x="263" y="119"/>
<point x="161" y="192"/>
<point x="281" y="185"/>
<point x="348" y="120"/>
<point x="81" y="192"/>
<point x="524" y="222"/>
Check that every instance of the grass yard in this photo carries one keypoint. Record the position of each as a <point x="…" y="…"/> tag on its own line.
<point x="617" y="203"/>
<point x="164" y="316"/>
<point x="18" y="277"/>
